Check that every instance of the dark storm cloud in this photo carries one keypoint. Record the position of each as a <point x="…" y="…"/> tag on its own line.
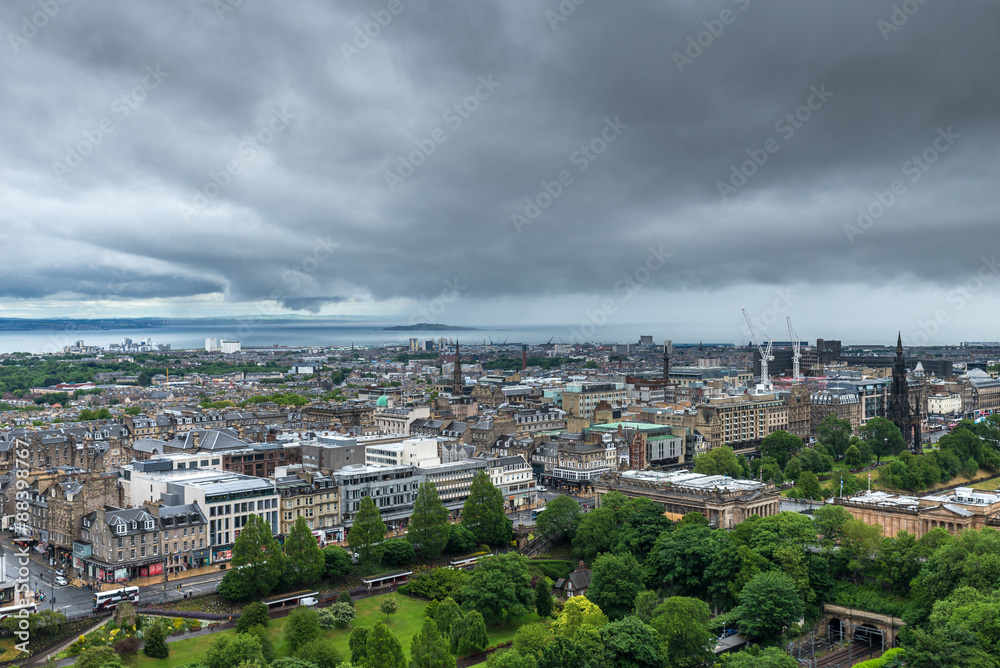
<point x="267" y="150"/>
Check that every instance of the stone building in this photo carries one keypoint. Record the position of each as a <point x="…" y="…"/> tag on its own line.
<point x="953" y="510"/>
<point x="314" y="497"/>
<point x="59" y="500"/>
<point x="724" y="501"/>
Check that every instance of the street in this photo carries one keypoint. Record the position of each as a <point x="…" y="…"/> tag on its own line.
<point x="523" y="518"/>
<point x="76" y="601"/>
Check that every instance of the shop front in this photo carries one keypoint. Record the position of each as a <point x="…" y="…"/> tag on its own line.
<point x="220" y="555"/>
<point x="115" y="573"/>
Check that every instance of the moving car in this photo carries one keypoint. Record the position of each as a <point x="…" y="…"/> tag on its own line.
<point x="61" y="581"/>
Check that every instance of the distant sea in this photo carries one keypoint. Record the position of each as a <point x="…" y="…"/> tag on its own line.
<point x="294" y="333"/>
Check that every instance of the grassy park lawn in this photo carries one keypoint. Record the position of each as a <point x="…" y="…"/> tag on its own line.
<point x="988" y="485"/>
<point x="404" y="624"/>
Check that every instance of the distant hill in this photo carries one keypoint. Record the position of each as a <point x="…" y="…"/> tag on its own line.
<point x="428" y="327"/>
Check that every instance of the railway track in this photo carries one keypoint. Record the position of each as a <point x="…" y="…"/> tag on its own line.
<point x="857" y="652"/>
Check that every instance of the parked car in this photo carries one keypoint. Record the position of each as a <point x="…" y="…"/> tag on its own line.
<point x="309" y="601"/>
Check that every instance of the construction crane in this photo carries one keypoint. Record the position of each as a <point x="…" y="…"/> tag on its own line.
<point x="796" y="349"/>
<point x="765" y="357"/>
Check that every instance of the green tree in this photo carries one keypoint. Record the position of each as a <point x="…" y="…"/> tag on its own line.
<point x="577" y="613"/>
<point x="853" y="456"/>
<point x="470" y="635"/>
<point x="95" y="657"/>
<point x="383" y="648"/>
<point x="883" y="438"/>
<point x="445" y="616"/>
<point x="429" y="528"/>
<point x="345" y="597"/>
<point x="264" y="637"/>
<point x="830" y="521"/>
<point x="781" y="445"/>
<point x="768" y="604"/>
<point x="253" y="614"/>
<point x="320" y="652"/>
<point x="342" y="613"/>
<point x="628" y="643"/>
<point x="560" y="518"/>
<point x="358" y="644"/>
<point x="683" y="625"/>
<point x="642" y="522"/>
<point x="614" y="500"/>
<point x="367" y="535"/>
<point x="970" y="468"/>
<point x="808" y="485"/>
<point x="531" y="639"/>
<point x="337" y="561"/>
<point x="155" y="646"/>
<point x="597" y="533"/>
<point x="645" y="607"/>
<point x="793" y="468"/>
<point x="499" y="588"/>
<point x="429" y="649"/>
<point x="397" y="552"/>
<point x="860" y="544"/>
<point x="813" y="459"/>
<point x="460" y="540"/>
<point x="388" y="606"/>
<point x="565" y="652"/>
<point x="616" y="581"/>
<point x="257" y="556"/>
<point x="718" y="461"/>
<point x="835" y="434"/>
<point x="543" y="597"/>
<point x="228" y="651"/>
<point x="680" y="557"/>
<point x="483" y="512"/>
<point x="302" y="627"/>
<point x="305" y="558"/>
<point x="757" y="657"/>
<point x="510" y="659"/>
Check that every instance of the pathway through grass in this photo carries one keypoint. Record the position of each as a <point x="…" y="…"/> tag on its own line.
<point x="404" y="624"/>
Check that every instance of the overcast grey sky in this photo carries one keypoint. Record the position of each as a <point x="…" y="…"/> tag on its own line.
<point x="521" y="162"/>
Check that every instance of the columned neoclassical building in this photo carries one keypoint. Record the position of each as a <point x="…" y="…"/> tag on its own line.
<point x="724" y="501"/>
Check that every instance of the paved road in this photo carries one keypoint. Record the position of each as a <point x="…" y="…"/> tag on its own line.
<point x="77" y="601"/>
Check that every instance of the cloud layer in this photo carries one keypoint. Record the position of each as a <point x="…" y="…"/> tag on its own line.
<point x="328" y="158"/>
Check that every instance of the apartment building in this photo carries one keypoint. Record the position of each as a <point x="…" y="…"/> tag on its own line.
<point x="411" y="452"/>
<point x="580" y="399"/>
<point x="314" y="497"/>
<point x="119" y="544"/>
<point x="228" y="499"/>
<point x="513" y="476"/>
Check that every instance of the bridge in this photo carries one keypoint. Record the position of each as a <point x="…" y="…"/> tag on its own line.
<point x="845" y="624"/>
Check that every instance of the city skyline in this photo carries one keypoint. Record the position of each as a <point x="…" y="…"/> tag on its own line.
<point x="579" y="166"/>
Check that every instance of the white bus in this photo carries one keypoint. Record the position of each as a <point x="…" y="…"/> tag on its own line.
<point x="15" y="609"/>
<point x="106" y="600"/>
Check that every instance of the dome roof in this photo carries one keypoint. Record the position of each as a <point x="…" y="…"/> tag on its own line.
<point x="382" y="401"/>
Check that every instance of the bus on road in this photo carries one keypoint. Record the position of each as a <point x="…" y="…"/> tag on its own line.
<point x="106" y="600"/>
<point x="16" y="609"/>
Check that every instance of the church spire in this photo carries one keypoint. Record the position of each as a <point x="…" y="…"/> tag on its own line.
<point x="899" y="344"/>
<point x="458" y="381"/>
